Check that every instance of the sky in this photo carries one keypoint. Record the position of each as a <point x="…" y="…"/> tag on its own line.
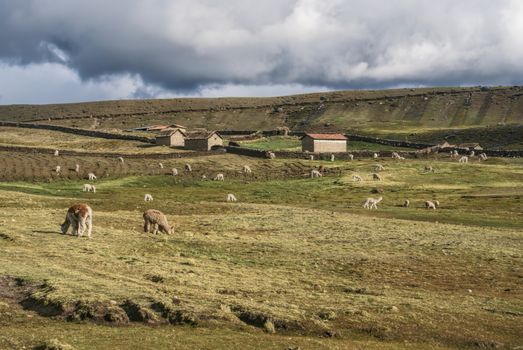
<point x="55" y="51"/>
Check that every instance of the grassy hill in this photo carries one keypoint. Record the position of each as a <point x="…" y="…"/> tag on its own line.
<point x="340" y="110"/>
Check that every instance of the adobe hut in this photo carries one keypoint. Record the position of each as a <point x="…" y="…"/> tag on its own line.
<point x="203" y="140"/>
<point x="471" y="146"/>
<point x="171" y="138"/>
<point x="324" y="143"/>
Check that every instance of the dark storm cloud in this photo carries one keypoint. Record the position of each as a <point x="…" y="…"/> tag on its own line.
<point x="185" y="45"/>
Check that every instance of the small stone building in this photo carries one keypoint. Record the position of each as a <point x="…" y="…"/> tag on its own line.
<point x="203" y="140"/>
<point x="471" y="146"/>
<point x="171" y="138"/>
<point x="324" y="143"/>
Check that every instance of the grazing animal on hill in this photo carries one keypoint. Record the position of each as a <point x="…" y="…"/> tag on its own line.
<point x="311" y="157"/>
<point x="188" y="167"/>
<point x="77" y="168"/>
<point x="56" y="153"/>
<point x="375" y="155"/>
<point x="160" y="165"/>
<point x="58" y="169"/>
<point x="376" y="177"/>
<point x="231" y="198"/>
<point x="406" y="203"/>
<point x="174" y="171"/>
<point x="356" y="177"/>
<point x="464" y="159"/>
<point x="378" y="167"/>
<point x="204" y="177"/>
<point x="396" y="155"/>
<point x="91" y="176"/>
<point x="333" y="157"/>
<point x="155" y="219"/>
<point x="271" y="155"/>
<point x="80" y="217"/>
<point x="483" y="156"/>
<point x="315" y="173"/>
<point x="148" y="197"/>
<point x="219" y="177"/>
<point x="472" y="154"/>
<point x="89" y="188"/>
<point x="455" y="154"/>
<point x="247" y="169"/>
<point x="431" y="204"/>
<point x="351" y="156"/>
<point x="372" y="203"/>
<point x="121" y="160"/>
<point x="429" y="168"/>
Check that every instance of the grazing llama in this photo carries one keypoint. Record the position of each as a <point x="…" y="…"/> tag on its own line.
<point x="333" y="157"/>
<point x="231" y="198"/>
<point x="431" y="204"/>
<point x="372" y="203"/>
<point x="56" y="153"/>
<point x="121" y="160"/>
<point x="483" y="156"/>
<point x="148" y="197"/>
<point x="375" y="155"/>
<point x="429" y="168"/>
<point x="91" y="176"/>
<point x="351" y="156"/>
<point x="77" y="168"/>
<point x="204" y="177"/>
<point x="406" y="203"/>
<point x="89" y="188"/>
<point x="376" y="177"/>
<point x="356" y="178"/>
<point x="247" y="169"/>
<point x="271" y="155"/>
<point x="378" y="167"/>
<point x="464" y="159"/>
<point x="188" y="167"/>
<point x="219" y="177"/>
<point x="80" y="217"/>
<point x="160" y="165"/>
<point x="174" y="171"/>
<point x="58" y="169"/>
<point x="315" y="173"/>
<point x="155" y="219"/>
<point x="311" y="157"/>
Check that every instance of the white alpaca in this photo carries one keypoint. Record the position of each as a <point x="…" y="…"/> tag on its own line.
<point x="247" y="169"/>
<point x="333" y="157"/>
<point x="77" y="168"/>
<point x="56" y="153"/>
<point x="372" y="203"/>
<point x="311" y="157"/>
<point x="464" y="159"/>
<point x="91" y="176"/>
<point x="431" y="204"/>
<point x="483" y="156"/>
<point x="188" y="167"/>
<point x="219" y="177"/>
<point x="271" y="155"/>
<point x="315" y="173"/>
<point x="356" y="178"/>
<point x="58" y="169"/>
<point x="89" y="188"/>
<point x="376" y="177"/>
<point x="148" y="197"/>
<point x="406" y="203"/>
<point x="375" y="155"/>
<point x="204" y="177"/>
<point x="80" y="217"/>
<point x="121" y="160"/>
<point x="231" y="198"/>
<point x="378" y="167"/>
<point x="161" y="165"/>
<point x="395" y="155"/>
<point x="174" y="171"/>
<point x="351" y="156"/>
<point x="455" y="154"/>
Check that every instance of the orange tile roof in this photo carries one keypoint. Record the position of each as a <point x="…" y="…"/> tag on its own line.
<point x="327" y="136"/>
